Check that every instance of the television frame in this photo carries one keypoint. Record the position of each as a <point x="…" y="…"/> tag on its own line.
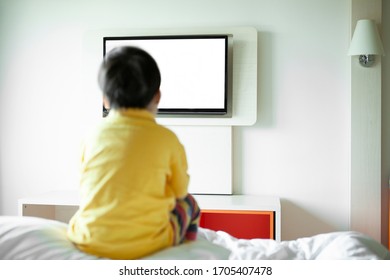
<point x="226" y="111"/>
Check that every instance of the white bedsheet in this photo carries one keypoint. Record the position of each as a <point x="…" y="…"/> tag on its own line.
<point x="347" y="245"/>
<point x="41" y="239"/>
<point x="30" y="238"/>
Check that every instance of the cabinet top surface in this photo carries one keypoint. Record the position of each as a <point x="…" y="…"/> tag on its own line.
<point x="218" y="202"/>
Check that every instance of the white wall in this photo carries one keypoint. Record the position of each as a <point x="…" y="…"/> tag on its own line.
<point x="386" y="119"/>
<point x="298" y="149"/>
<point x="368" y="209"/>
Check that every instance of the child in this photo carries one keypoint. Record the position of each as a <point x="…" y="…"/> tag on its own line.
<point x="134" y="181"/>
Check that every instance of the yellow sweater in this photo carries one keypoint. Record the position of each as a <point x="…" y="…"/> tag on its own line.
<point x="132" y="172"/>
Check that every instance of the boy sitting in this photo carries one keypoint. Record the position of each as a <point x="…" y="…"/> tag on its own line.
<point x="134" y="181"/>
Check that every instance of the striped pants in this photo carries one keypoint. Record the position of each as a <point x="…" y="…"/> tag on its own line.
<point x="185" y="219"/>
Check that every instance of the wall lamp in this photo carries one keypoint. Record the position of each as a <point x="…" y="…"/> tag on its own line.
<point x="366" y="42"/>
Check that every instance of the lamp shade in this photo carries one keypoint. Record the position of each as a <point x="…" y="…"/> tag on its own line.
<point x="366" y="40"/>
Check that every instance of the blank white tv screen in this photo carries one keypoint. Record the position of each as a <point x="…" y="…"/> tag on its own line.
<point x="195" y="71"/>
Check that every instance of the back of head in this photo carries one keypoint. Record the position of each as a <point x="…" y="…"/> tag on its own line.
<point x="129" y="77"/>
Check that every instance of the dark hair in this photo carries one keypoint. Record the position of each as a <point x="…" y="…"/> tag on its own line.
<point x="129" y="77"/>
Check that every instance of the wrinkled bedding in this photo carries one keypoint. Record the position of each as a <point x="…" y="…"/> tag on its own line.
<point x="347" y="245"/>
<point x="30" y="238"/>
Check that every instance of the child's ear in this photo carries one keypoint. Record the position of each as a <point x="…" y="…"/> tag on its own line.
<point x="153" y="104"/>
<point x="106" y="103"/>
<point x="157" y="97"/>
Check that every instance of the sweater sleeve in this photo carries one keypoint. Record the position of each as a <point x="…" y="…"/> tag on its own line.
<point x="180" y="177"/>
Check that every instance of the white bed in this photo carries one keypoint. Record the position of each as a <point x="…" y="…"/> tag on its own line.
<point x="30" y="238"/>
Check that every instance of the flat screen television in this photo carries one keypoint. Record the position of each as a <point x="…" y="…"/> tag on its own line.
<point x="196" y="72"/>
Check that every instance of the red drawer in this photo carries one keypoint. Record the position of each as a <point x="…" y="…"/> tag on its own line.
<point x="240" y="224"/>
